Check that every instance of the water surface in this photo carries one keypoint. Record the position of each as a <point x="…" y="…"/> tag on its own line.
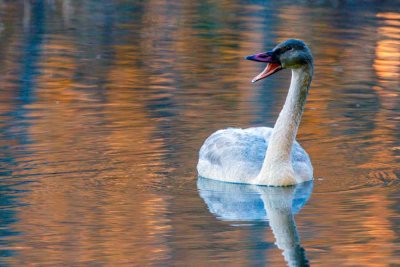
<point x="105" y="104"/>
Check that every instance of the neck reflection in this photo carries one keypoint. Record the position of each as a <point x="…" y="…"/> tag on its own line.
<point x="251" y="203"/>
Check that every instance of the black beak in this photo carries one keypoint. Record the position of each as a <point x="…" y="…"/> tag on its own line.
<point x="266" y="57"/>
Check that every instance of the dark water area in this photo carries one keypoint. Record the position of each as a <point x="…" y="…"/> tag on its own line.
<point x="105" y="104"/>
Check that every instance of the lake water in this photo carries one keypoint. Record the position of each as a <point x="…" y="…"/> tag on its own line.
<point x="105" y="104"/>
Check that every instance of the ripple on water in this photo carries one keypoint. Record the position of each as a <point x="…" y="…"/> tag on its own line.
<point x="104" y="105"/>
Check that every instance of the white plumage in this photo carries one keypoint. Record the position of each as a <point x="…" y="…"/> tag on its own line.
<point x="237" y="155"/>
<point x="266" y="156"/>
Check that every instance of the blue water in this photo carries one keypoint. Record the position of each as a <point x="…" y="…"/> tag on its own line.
<point x="105" y="104"/>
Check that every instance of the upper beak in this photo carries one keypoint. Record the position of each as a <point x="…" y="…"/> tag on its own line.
<point x="263" y="57"/>
<point x="273" y="64"/>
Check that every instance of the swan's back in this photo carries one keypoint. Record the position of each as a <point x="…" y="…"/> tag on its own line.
<point x="237" y="155"/>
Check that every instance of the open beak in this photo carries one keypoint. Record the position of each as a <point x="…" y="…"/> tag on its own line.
<point x="273" y="64"/>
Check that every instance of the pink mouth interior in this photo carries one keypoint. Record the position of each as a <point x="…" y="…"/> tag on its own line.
<point x="270" y="69"/>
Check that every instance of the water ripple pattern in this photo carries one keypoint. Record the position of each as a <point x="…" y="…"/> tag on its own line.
<point x="104" y="105"/>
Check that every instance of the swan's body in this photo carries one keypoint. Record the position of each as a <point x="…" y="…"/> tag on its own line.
<point x="266" y="156"/>
<point x="237" y="155"/>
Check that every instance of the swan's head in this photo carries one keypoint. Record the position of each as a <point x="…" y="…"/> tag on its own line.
<point x="290" y="54"/>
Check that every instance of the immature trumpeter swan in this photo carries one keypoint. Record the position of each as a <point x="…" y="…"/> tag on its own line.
<point x="263" y="155"/>
<point x="242" y="204"/>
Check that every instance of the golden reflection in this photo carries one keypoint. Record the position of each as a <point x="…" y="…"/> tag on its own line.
<point x="387" y="60"/>
<point x="122" y="95"/>
<point x="387" y="68"/>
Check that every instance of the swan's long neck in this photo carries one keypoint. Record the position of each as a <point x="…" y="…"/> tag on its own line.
<point x="277" y="167"/>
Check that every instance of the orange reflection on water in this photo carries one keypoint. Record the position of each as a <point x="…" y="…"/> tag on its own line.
<point x="387" y="61"/>
<point x="122" y="102"/>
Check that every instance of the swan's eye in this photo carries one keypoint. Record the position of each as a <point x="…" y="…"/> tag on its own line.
<point x="285" y="49"/>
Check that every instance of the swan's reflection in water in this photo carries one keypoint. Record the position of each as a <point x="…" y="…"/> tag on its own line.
<point x="277" y="205"/>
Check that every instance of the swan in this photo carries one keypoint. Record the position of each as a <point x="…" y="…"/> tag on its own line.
<point x="263" y="155"/>
<point x="247" y="203"/>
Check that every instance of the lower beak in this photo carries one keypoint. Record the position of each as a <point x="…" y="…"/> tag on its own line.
<point x="270" y="69"/>
<point x="273" y="64"/>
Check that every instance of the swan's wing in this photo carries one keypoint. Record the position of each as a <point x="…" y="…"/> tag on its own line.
<point x="236" y="155"/>
<point x="233" y="155"/>
<point x="301" y="163"/>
